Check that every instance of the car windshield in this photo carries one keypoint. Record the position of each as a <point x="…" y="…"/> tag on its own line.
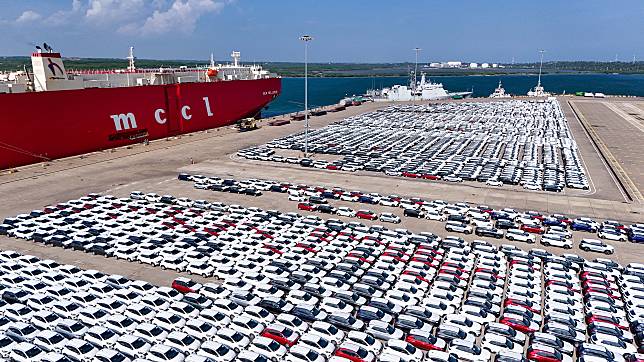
<point x="51" y="317"/>
<point x="107" y="334"/>
<point x="361" y="352"/>
<point x="33" y="352"/>
<point x="86" y="348"/>
<point x="220" y="351"/>
<point x="6" y="341"/>
<point x="311" y="355"/>
<point x="323" y="342"/>
<point x="237" y="336"/>
<point x="273" y="345"/>
<point x="171" y="353"/>
<point x="138" y="343"/>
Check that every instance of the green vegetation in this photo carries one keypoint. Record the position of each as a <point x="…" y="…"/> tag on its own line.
<point x="290" y="69"/>
<point x="588" y="66"/>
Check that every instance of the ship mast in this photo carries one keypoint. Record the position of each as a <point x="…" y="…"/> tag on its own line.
<point x="131" y="67"/>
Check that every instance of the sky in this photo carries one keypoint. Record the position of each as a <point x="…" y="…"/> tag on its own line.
<point x="373" y="31"/>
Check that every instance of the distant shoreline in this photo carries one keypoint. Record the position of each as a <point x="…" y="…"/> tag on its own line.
<point x="460" y="75"/>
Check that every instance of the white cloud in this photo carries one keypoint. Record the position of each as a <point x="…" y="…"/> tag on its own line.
<point x="114" y="11"/>
<point x="76" y="5"/>
<point x="63" y="17"/>
<point x="28" y="16"/>
<point x="181" y="16"/>
<point x="131" y="17"/>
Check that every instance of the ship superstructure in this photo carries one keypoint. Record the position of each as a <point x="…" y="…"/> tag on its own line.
<point x="423" y="90"/>
<point x="499" y="92"/>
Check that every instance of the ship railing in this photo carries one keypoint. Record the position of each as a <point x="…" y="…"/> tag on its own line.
<point x="136" y="71"/>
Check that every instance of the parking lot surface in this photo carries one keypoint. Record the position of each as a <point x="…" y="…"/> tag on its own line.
<point x="619" y="126"/>
<point x="429" y="285"/>
<point x="300" y="288"/>
<point x="526" y="143"/>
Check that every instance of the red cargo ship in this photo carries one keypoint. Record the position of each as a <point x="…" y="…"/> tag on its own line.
<point x="53" y="113"/>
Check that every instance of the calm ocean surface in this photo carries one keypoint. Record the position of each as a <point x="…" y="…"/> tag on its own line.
<point x="325" y="91"/>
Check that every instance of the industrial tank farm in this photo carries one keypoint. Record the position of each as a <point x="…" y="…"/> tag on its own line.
<point x="526" y="143"/>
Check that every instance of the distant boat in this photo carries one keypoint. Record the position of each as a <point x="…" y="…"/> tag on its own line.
<point x="422" y="91"/>
<point x="499" y="92"/>
<point x="538" y="90"/>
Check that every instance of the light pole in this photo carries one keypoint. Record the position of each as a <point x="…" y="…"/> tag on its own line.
<point x="540" y="66"/>
<point x="416" y="67"/>
<point x="306" y="39"/>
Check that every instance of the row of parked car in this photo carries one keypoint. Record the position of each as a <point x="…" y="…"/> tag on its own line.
<point x="500" y="143"/>
<point x="294" y="288"/>
<point x="553" y="230"/>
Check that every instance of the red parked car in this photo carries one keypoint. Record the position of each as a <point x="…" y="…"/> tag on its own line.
<point x="602" y="291"/>
<point x="366" y="214"/>
<point x="426" y="341"/>
<point x="420" y="275"/>
<point x="544" y="354"/>
<point x="306" y="206"/>
<point x="431" y="177"/>
<point x="606" y="319"/>
<point x="533" y="228"/>
<point x="354" y="353"/>
<point x="281" y="334"/>
<point x="517" y="324"/>
<point x="185" y="285"/>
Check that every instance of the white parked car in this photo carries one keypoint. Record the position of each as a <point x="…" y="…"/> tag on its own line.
<point x="496" y="343"/>
<point x="561" y="243"/>
<point x="26" y="352"/>
<point x="520" y="235"/>
<point x="345" y="211"/>
<point x="389" y="217"/>
<point x="404" y="350"/>
<point x="164" y="353"/>
<point x="468" y="351"/>
<point x="611" y="234"/>
<point x="300" y="353"/>
<point x="268" y="347"/>
<point x="458" y="227"/>
<point x="494" y="182"/>
<point x="435" y="215"/>
<point x="318" y="343"/>
<point x="596" y="245"/>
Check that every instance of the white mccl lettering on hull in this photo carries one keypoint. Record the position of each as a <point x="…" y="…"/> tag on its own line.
<point x="124" y="121"/>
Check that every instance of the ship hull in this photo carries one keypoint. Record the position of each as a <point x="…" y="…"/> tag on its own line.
<point x="41" y="126"/>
